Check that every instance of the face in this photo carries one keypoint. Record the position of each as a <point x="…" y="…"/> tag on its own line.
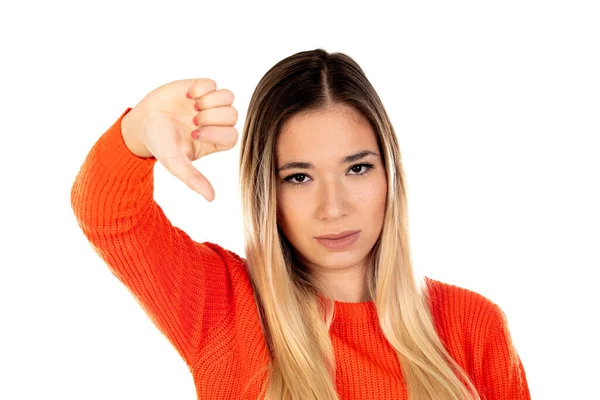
<point x="330" y="179"/>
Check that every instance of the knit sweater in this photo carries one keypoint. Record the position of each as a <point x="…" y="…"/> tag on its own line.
<point x="200" y="297"/>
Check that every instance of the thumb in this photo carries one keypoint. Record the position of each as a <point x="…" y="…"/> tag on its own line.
<point x="184" y="170"/>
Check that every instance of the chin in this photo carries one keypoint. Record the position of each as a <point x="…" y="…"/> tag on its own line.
<point x="338" y="260"/>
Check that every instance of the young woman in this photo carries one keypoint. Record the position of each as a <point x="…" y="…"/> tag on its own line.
<point x="326" y="304"/>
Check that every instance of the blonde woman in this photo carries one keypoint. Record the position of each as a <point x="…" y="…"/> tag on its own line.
<point x="326" y="304"/>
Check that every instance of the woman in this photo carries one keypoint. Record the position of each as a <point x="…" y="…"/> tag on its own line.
<point x="326" y="304"/>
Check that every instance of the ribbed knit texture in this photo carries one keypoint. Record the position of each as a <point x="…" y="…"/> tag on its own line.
<point x="199" y="296"/>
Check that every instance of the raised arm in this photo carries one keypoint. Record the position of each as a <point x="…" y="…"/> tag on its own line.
<point x="165" y="270"/>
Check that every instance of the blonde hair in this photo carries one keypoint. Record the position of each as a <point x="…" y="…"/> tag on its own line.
<point x="295" y="310"/>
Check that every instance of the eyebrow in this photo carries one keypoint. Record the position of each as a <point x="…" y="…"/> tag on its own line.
<point x="344" y="160"/>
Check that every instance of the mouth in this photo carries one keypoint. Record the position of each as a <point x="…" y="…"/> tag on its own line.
<point x="340" y="235"/>
<point x="339" y="241"/>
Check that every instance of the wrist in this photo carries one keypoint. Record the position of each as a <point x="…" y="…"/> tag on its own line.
<point x="130" y="131"/>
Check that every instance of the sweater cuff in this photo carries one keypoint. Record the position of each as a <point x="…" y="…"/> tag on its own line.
<point x="112" y="144"/>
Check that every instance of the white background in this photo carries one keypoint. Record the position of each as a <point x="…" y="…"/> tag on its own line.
<point x="497" y="110"/>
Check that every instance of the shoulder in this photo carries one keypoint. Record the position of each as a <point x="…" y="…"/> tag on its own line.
<point x="460" y="314"/>
<point x="224" y="253"/>
<point x="475" y="332"/>
<point x="235" y="265"/>
<point x="459" y="303"/>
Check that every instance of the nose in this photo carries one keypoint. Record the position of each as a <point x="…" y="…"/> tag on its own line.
<point x="333" y="200"/>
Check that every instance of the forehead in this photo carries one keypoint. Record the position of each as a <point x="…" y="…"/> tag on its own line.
<point x="333" y="132"/>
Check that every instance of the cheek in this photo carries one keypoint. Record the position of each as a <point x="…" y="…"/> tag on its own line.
<point x="382" y="196"/>
<point x="380" y="202"/>
<point x="290" y="210"/>
<point x="372" y="198"/>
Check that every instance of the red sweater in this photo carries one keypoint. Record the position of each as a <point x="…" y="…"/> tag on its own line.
<point x="199" y="296"/>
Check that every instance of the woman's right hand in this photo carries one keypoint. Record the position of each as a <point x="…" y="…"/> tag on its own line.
<point x="161" y="126"/>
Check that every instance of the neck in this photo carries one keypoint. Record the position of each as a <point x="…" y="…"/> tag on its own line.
<point x="347" y="285"/>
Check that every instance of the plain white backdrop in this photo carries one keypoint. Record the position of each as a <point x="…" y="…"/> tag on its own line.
<point x="497" y="110"/>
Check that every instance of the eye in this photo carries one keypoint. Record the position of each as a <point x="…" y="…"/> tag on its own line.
<point x="357" y="168"/>
<point x="294" y="178"/>
<point x="298" y="179"/>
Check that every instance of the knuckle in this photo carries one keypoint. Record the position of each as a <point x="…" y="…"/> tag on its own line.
<point x="202" y="102"/>
<point x="231" y="138"/>
<point x="202" y="87"/>
<point x="229" y="95"/>
<point x="201" y="118"/>
<point x="209" y="85"/>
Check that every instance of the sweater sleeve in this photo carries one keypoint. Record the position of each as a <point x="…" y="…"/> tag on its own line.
<point x="505" y="377"/>
<point x="163" y="268"/>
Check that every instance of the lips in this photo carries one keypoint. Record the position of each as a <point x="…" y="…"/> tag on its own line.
<point x="337" y="235"/>
<point x="340" y="241"/>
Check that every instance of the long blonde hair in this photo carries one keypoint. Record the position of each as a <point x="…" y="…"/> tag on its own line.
<point x="295" y="319"/>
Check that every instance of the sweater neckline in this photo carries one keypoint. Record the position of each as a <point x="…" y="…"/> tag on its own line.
<point x="355" y="312"/>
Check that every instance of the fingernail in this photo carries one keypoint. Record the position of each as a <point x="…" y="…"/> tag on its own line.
<point x="188" y="95"/>
<point x="196" y="134"/>
<point x="196" y="107"/>
<point x="195" y="120"/>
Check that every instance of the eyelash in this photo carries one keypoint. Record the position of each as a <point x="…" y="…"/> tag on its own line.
<point x="289" y="178"/>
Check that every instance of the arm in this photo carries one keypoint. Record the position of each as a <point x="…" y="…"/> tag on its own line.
<point x="505" y="377"/>
<point x="112" y="198"/>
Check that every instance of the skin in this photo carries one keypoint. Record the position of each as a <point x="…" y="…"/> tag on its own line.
<point x="333" y="196"/>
